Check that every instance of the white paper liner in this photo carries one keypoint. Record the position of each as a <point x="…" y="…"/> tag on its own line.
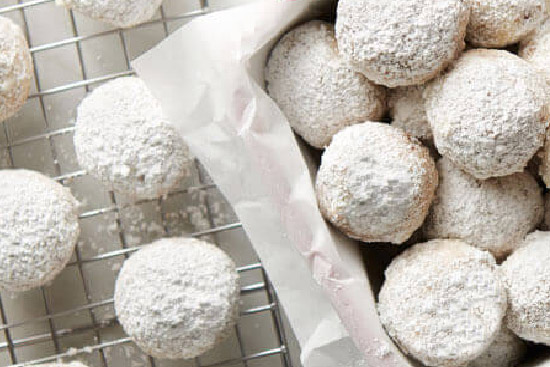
<point x="209" y="77"/>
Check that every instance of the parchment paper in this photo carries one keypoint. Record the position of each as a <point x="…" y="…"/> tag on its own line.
<point x="209" y="77"/>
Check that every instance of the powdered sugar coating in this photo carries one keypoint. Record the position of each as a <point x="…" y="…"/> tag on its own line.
<point x="15" y="68"/>
<point x="407" y="110"/>
<point x="489" y="113"/>
<point x="39" y="226"/>
<point x="72" y="364"/>
<point x="177" y="297"/>
<point x="527" y="278"/>
<point x="396" y="43"/>
<point x="536" y="50"/>
<point x="497" y="23"/>
<point x="317" y="91"/>
<point x="536" y="47"/>
<point x="376" y="183"/>
<point x="506" y="351"/>
<point x="443" y="302"/>
<point x="123" y="139"/>
<point x="121" y="13"/>
<point x="494" y="214"/>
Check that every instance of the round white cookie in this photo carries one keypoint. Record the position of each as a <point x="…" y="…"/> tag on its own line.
<point x="15" y="68"/>
<point x="177" y="298"/>
<point x="494" y="214"/>
<point x="488" y="113"/>
<point x="506" y="351"/>
<point x="536" y="50"/>
<point x="318" y="91"/>
<point x="443" y="302"/>
<point x="39" y="226"/>
<point x="498" y="23"/>
<point x="121" y="13"/>
<point x="71" y="364"/>
<point x="407" y="110"/>
<point x="375" y="183"/>
<point x="527" y="278"/>
<point x="123" y="139"/>
<point x="397" y="43"/>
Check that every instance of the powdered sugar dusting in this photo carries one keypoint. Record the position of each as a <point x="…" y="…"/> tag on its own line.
<point x="406" y="105"/>
<point x="495" y="214"/>
<point x="318" y="91"/>
<point x="123" y="139"/>
<point x="536" y="50"/>
<point x="72" y="364"/>
<point x="489" y="113"/>
<point x="401" y="42"/>
<point x="503" y="22"/>
<point x="177" y="297"/>
<point x="375" y="183"/>
<point x="506" y="351"/>
<point x="527" y="278"/>
<point x="443" y="302"/>
<point x="39" y="229"/>
<point x="122" y="13"/>
<point x="15" y="68"/>
<point x="383" y="349"/>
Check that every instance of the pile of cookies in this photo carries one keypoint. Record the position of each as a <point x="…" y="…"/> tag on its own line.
<point x="433" y="120"/>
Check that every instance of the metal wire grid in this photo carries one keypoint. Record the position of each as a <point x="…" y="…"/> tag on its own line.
<point x="96" y="326"/>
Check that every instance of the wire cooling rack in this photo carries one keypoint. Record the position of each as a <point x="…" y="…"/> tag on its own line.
<point x="73" y="318"/>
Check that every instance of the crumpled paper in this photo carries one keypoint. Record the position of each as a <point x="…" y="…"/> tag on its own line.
<point x="208" y="76"/>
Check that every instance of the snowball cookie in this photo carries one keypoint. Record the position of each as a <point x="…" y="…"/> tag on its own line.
<point x="408" y="113"/>
<point x="39" y="226"/>
<point x="506" y="351"/>
<point x="123" y="139"/>
<point x="376" y="183"/>
<point x="402" y="42"/>
<point x="536" y="48"/>
<point x="72" y="364"/>
<point x="121" y="13"/>
<point x="316" y="90"/>
<point x="494" y="214"/>
<point x="177" y="297"/>
<point x="527" y="278"/>
<point x="15" y="68"/>
<point x="497" y="23"/>
<point x="442" y="302"/>
<point x="488" y="114"/>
